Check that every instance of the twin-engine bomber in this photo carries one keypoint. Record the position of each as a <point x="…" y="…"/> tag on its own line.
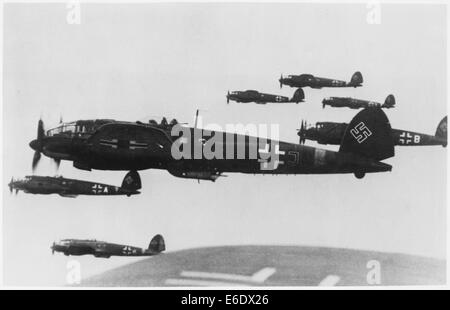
<point x="71" y="188"/>
<point x="134" y="146"/>
<point x="352" y="103"/>
<point x="106" y="250"/>
<point x="333" y="133"/>
<point x="309" y="80"/>
<point x="261" y="98"/>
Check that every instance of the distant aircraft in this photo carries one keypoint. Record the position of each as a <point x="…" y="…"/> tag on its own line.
<point x="71" y="188"/>
<point x="134" y="146"/>
<point x="305" y="80"/>
<point x="339" y="102"/>
<point x="333" y="133"/>
<point x="261" y="98"/>
<point x="105" y="249"/>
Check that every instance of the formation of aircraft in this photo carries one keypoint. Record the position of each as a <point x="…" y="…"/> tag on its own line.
<point x="134" y="146"/>
<point x="261" y="98"/>
<point x="105" y="249"/>
<point x="309" y="80"/>
<point x="300" y="81"/>
<point x="107" y="144"/>
<point x="352" y="103"/>
<point x="333" y="133"/>
<point x="34" y="184"/>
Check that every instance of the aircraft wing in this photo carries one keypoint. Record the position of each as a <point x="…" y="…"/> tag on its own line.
<point x="101" y="253"/>
<point x="62" y="194"/>
<point x="327" y="81"/>
<point x="323" y="80"/>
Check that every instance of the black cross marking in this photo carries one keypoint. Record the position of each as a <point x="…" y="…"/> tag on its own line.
<point x="124" y="144"/>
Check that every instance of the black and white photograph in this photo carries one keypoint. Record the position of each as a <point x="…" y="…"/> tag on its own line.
<point x="224" y="145"/>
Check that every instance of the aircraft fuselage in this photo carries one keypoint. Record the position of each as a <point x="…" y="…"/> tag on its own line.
<point x="97" y="248"/>
<point x="136" y="146"/>
<point x="257" y="97"/>
<point x="313" y="82"/>
<point x="332" y="133"/>
<point x="340" y="102"/>
<point x="66" y="187"/>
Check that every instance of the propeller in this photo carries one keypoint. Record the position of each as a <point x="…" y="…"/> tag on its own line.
<point x="53" y="248"/>
<point x="36" y="159"/>
<point x="228" y="97"/>
<point x="37" y="144"/>
<point x="280" y="80"/>
<point x="302" y="132"/>
<point x="11" y="185"/>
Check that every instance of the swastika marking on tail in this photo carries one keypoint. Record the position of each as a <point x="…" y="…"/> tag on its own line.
<point x="360" y="132"/>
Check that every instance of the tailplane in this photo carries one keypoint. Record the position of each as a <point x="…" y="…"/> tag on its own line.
<point x="356" y="79"/>
<point x="441" y="131"/>
<point x="389" y="102"/>
<point x="298" y="96"/>
<point x="369" y="135"/>
<point x="157" y="244"/>
<point x="132" y="181"/>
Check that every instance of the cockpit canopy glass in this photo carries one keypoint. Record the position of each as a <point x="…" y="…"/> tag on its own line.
<point x="306" y="77"/>
<point x="80" y="240"/>
<point x="252" y="92"/>
<point x="64" y="242"/>
<point x="67" y="128"/>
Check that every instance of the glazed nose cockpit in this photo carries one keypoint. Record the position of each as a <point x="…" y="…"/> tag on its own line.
<point x="18" y="184"/>
<point x="60" y="246"/>
<point x="308" y="131"/>
<point x="67" y="128"/>
<point x="326" y="101"/>
<point x="56" y="142"/>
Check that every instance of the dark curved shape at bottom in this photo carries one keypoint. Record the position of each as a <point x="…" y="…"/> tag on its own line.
<point x="277" y="266"/>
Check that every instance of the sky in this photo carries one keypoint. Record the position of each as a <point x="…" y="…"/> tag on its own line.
<point x="137" y="61"/>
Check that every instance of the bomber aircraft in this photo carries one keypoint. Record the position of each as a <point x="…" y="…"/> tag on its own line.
<point x="352" y="103"/>
<point x="105" y="249"/>
<point x="71" y="188"/>
<point x="305" y="80"/>
<point x="261" y="98"/>
<point x="195" y="153"/>
<point x="333" y="133"/>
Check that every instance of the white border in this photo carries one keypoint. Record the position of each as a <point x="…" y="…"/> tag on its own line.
<point x="440" y="287"/>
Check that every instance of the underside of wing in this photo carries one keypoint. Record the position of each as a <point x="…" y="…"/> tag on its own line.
<point x="67" y="195"/>
<point x="103" y="254"/>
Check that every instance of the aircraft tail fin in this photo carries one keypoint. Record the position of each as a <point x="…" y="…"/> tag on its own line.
<point x="157" y="244"/>
<point x="389" y="102"/>
<point x="441" y="131"/>
<point x="298" y="96"/>
<point x="369" y="135"/>
<point x="356" y="79"/>
<point x="132" y="181"/>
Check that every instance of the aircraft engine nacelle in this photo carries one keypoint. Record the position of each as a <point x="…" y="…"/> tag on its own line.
<point x="324" y="141"/>
<point x="197" y="175"/>
<point x="81" y="166"/>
